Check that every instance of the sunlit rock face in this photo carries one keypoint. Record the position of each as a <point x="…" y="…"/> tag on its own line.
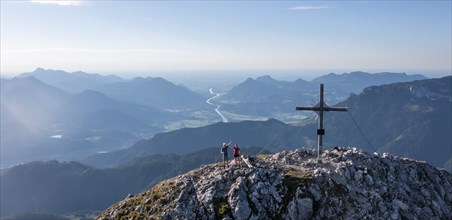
<point x="348" y="184"/>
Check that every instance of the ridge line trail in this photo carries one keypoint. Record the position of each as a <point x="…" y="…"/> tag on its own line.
<point x="216" y="95"/>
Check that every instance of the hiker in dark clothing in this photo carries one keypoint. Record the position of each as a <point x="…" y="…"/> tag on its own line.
<point x="224" y="151"/>
<point x="237" y="155"/>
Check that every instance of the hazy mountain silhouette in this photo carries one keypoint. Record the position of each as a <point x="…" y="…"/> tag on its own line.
<point x="155" y="92"/>
<point x="27" y="109"/>
<point x="356" y="81"/>
<point x="43" y="122"/>
<point x="270" y="81"/>
<point x="89" y="101"/>
<point x="267" y="97"/>
<point x="300" y="86"/>
<point x="29" y="101"/>
<point x="109" y="122"/>
<point x="251" y="90"/>
<point x="71" y="82"/>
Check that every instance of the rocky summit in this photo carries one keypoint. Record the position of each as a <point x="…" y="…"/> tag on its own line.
<point x="348" y="184"/>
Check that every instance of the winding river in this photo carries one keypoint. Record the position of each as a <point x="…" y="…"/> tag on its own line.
<point x="218" y="106"/>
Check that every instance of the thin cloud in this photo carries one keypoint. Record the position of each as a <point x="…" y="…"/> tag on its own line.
<point x="59" y="2"/>
<point x="95" y="50"/>
<point x="302" y="7"/>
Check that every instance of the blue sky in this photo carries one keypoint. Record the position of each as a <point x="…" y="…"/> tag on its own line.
<point x="149" y="36"/>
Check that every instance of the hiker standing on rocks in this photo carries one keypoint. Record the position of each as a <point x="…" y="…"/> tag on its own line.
<point x="237" y="155"/>
<point x="224" y="151"/>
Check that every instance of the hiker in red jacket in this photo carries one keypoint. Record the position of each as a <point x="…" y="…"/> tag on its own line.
<point x="237" y="155"/>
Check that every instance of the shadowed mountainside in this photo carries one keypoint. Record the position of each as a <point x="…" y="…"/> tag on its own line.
<point x="65" y="187"/>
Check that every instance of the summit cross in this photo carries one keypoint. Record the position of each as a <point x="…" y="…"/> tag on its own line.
<point x="319" y="109"/>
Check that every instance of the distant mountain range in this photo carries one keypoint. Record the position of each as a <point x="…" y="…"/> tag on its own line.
<point x="151" y="91"/>
<point x="155" y="92"/>
<point x="30" y="98"/>
<point x="355" y="82"/>
<point x="40" y="121"/>
<point x="71" y="82"/>
<point x="121" y="112"/>
<point x="408" y="119"/>
<point x="265" y="96"/>
<point x="28" y="107"/>
<point x="65" y="187"/>
<point x="53" y="114"/>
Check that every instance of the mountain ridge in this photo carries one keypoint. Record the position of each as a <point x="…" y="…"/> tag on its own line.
<point x="155" y="92"/>
<point x="188" y="140"/>
<point x="349" y="183"/>
<point x="36" y="117"/>
<point x="71" y="82"/>
<point x="265" y="96"/>
<point x="411" y="119"/>
<point x="356" y="81"/>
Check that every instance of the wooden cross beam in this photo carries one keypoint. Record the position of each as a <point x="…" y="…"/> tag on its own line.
<point x="319" y="109"/>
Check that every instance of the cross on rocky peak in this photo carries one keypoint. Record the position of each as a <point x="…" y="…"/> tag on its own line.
<point x="319" y="109"/>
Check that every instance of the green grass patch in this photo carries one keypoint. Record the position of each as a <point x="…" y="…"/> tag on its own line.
<point x="221" y="206"/>
<point x="294" y="179"/>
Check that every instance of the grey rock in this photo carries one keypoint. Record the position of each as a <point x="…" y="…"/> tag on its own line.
<point x="237" y="197"/>
<point x="348" y="184"/>
<point x="395" y="215"/>
<point x="369" y="180"/>
<point x="300" y="209"/>
<point x="397" y="204"/>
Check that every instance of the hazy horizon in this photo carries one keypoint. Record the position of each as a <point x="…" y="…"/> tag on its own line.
<point x="281" y="74"/>
<point x="141" y="37"/>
